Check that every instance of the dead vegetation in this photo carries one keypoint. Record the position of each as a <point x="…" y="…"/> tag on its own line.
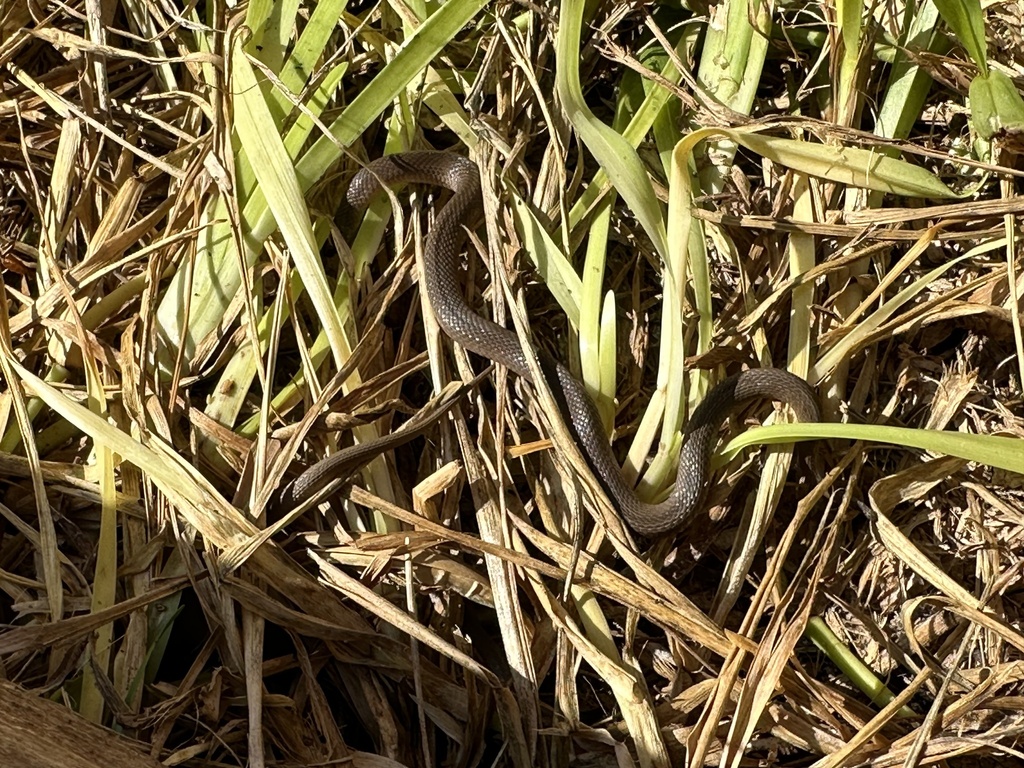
<point x="189" y="318"/>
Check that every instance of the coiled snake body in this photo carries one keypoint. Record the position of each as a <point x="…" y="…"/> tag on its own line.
<point x="442" y="252"/>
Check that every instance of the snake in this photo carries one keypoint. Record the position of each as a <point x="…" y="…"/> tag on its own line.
<point x="442" y="255"/>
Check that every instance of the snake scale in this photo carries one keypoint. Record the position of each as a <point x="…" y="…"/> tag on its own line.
<point x="441" y="269"/>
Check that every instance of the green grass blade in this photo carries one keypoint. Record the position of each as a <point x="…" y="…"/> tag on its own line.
<point x="909" y="82"/>
<point x="967" y="21"/>
<point x="732" y="59"/>
<point x="847" y="165"/>
<point x="258" y="135"/>
<point x="616" y="156"/>
<point x="549" y="261"/>
<point x="850" y="31"/>
<point x="857" y="671"/>
<point x="415" y="54"/>
<point x="302" y="63"/>
<point x="640" y="123"/>
<point x="991" y="450"/>
<point x="216" y="277"/>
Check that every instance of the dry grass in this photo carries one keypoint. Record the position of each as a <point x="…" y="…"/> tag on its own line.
<point x="472" y="599"/>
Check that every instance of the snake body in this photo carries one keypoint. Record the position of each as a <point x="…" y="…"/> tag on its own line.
<point x="441" y="257"/>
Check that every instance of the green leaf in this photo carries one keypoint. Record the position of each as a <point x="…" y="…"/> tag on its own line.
<point x="850" y="30"/>
<point x="216" y="277"/>
<point x="995" y="104"/>
<point x="415" y="54"/>
<point x="275" y="174"/>
<point x="909" y="82"/>
<point x="856" y="670"/>
<point x="847" y="165"/>
<point x="731" y="61"/>
<point x="549" y="261"/>
<point x="617" y="158"/>
<point x="302" y="63"/>
<point x="641" y="120"/>
<point x="966" y="20"/>
<point x="993" y="450"/>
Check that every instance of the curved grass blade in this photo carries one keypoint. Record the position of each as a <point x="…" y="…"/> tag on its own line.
<point x="992" y="450"/>
<point x="617" y="157"/>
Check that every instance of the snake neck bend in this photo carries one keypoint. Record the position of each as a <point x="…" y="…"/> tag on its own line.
<point x="441" y="269"/>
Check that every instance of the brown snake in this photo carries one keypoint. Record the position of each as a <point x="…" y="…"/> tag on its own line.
<point x="441" y="263"/>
